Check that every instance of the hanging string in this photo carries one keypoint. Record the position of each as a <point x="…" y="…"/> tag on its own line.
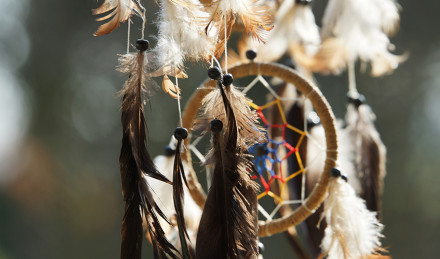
<point x="352" y="89"/>
<point x="178" y="102"/>
<point x="226" y="47"/>
<point x="144" y="19"/>
<point x="128" y="35"/>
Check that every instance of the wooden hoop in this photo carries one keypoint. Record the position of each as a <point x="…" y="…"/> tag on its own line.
<point x="322" y="108"/>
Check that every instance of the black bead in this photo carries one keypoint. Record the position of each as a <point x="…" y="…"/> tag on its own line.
<point x="169" y="151"/>
<point x="304" y="2"/>
<point x="227" y="80"/>
<point x="334" y="172"/>
<point x="216" y="125"/>
<point x="251" y="54"/>
<point x="356" y="101"/>
<point x="214" y="73"/>
<point x="180" y="133"/>
<point x="142" y="45"/>
<point x="260" y="248"/>
<point x="261" y="150"/>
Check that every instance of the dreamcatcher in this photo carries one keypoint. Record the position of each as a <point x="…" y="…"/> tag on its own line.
<point x="282" y="150"/>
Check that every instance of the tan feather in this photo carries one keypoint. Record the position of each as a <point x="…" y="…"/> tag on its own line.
<point x="170" y="88"/>
<point x="170" y="71"/>
<point x="249" y="132"/>
<point x="121" y="11"/>
<point x="253" y="14"/>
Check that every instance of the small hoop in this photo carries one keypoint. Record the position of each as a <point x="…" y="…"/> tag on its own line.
<point x="322" y="108"/>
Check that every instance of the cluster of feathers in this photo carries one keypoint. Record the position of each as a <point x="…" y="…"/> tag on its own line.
<point x="198" y="30"/>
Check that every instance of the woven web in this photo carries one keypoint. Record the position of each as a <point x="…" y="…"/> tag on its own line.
<point x="267" y="156"/>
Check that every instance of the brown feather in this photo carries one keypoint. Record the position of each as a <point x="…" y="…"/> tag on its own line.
<point x="249" y="132"/>
<point x="170" y="88"/>
<point x="135" y="164"/>
<point x="121" y="11"/>
<point x="229" y="224"/>
<point x="170" y="71"/>
<point x="178" y="177"/>
<point x="370" y="154"/>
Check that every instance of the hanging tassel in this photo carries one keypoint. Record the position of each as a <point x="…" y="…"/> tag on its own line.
<point x="352" y="230"/>
<point x="178" y="175"/>
<point x="136" y="163"/>
<point x="295" y="30"/>
<point x="252" y="14"/>
<point x="121" y="11"/>
<point x="181" y="37"/>
<point x="355" y="29"/>
<point x="229" y="223"/>
<point x="370" y="152"/>
<point x="315" y="162"/>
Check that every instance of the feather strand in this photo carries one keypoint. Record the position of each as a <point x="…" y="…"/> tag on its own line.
<point x="121" y="11"/>
<point x="136" y="163"/>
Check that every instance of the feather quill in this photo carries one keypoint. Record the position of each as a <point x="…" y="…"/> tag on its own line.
<point x="121" y="11"/>
<point x="352" y="230"/>
<point x="229" y="223"/>
<point x="136" y="163"/>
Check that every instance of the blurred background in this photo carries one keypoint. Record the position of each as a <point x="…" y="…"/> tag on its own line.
<point x="60" y="133"/>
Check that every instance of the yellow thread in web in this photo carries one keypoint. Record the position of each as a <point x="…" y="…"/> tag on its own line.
<point x="283" y="117"/>
<point x="293" y="175"/>
<point x="300" y="140"/>
<point x="267" y="105"/>
<point x="295" y="129"/>
<point x="302" y="133"/>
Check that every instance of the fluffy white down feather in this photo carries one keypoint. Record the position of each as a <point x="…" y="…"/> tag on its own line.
<point x="352" y="230"/>
<point x="182" y="34"/>
<point x="294" y="23"/>
<point x="362" y="26"/>
<point x="316" y="157"/>
<point x="163" y="194"/>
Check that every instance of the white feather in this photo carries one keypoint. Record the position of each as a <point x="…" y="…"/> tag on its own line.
<point x="352" y="230"/>
<point x="236" y="6"/>
<point x="294" y="23"/>
<point x="316" y="156"/>
<point x="362" y="26"/>
<point x="182" y="35"/>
